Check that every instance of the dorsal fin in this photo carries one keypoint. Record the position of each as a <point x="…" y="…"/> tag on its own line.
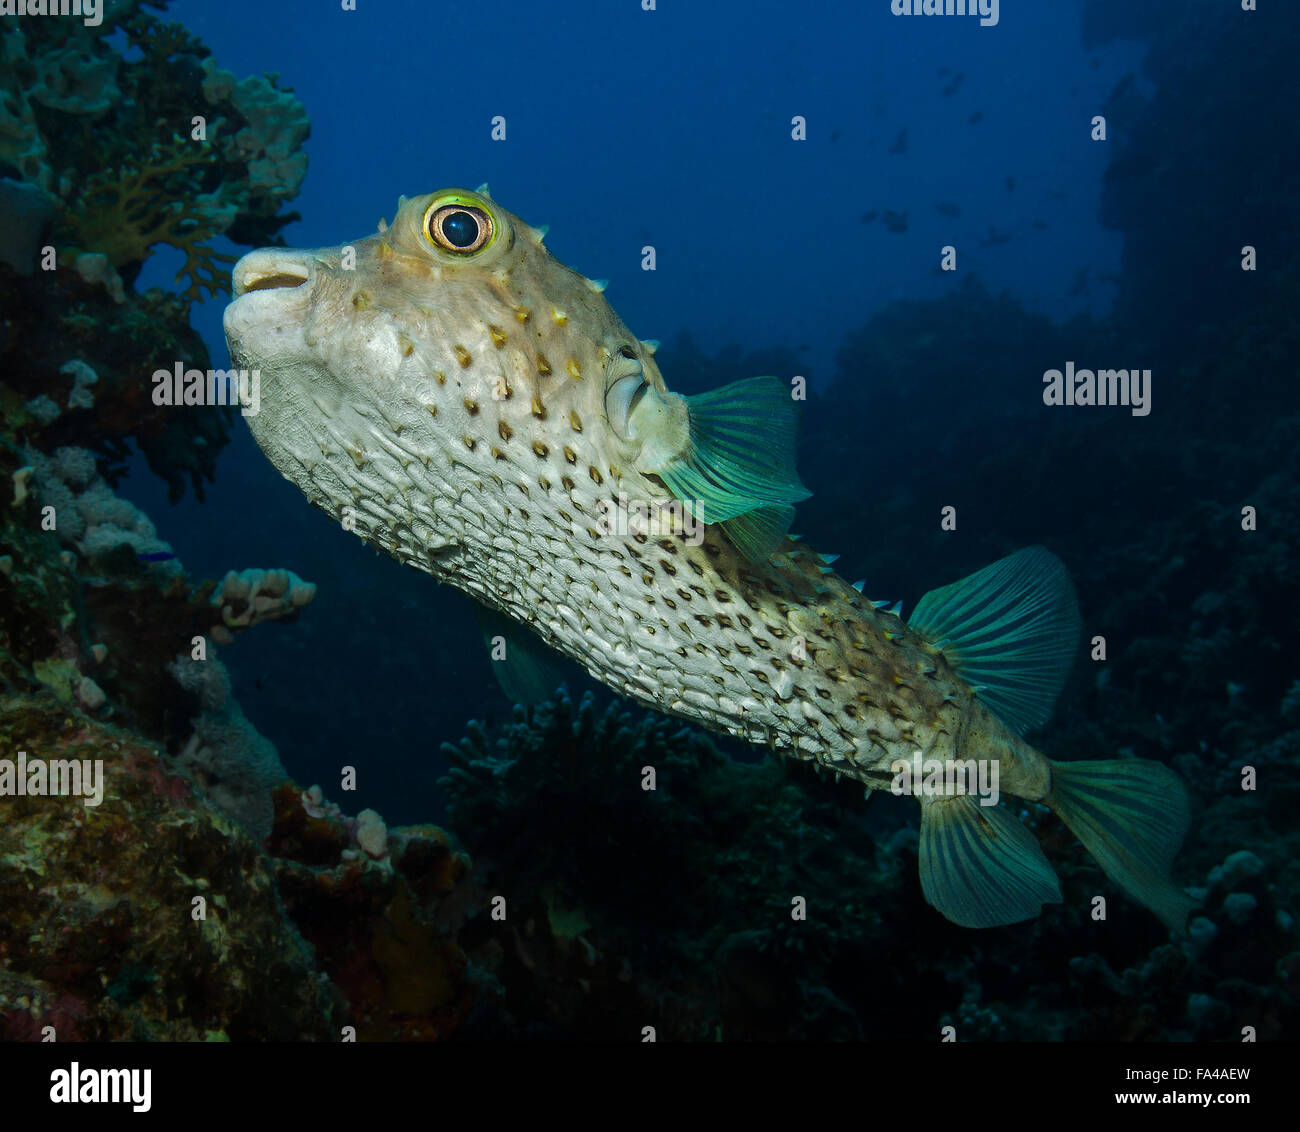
<point x="1010" y="630"/>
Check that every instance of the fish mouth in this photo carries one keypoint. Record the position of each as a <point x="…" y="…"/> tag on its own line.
<point x="272" y="269"/>
<point x="272" y="294"/>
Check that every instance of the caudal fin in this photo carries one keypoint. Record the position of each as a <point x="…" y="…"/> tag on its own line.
<point x="1131" y="815"/>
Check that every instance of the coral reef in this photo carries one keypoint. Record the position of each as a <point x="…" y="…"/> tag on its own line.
<point x="381" y="915"/>
<point x="152" y="908"/>
<point x="95" y="930"/>
<point x="79" y="122"/>
<point x="673" y="907"/>
<point x="628" y="904"/>
<point x="86" y="169"/>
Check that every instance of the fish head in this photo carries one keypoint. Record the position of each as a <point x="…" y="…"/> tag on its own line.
<point x="447" y="350"/>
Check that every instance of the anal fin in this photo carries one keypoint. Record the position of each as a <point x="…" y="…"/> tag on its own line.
<point x="980" y="867"/>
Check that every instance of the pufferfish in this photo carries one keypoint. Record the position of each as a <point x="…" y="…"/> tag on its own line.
<point x="452" y="393"/>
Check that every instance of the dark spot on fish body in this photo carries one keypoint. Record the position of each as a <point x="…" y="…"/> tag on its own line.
<point x="543" y="366"/>
<point x="464" y="357"/>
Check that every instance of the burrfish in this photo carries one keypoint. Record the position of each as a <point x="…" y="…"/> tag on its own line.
<point x="450" y="392"/>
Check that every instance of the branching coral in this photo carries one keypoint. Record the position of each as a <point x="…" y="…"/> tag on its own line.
<point x="123" y="213"/>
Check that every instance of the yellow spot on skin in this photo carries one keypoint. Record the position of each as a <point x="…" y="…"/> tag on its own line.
<point x="472" y="407"/>
<point x="595" y="474"/>
<point x="575" y="370"/>
<point x="504" y="431"/>
<point x="408" y="347"/>
<point x="540" y="449"/>
<point x="570" y="455"/>
<point x="358" y="457"/>
<point x="441" y="377"/>
<point x="523" y="314"/>
<point x="361" y="301"/>
<point x="543" y="483"/>
<point x="543" y="366"/>
<point x="498" y="336"/>
<point x="575" y="421"/>
<point x="568" y="483"/>
<point x="560" y="317"/>
<point x="433" y="410"/>
<point x="463" y="356"/>
<point x="539" y="410"/>
<point x="469" y="442"/>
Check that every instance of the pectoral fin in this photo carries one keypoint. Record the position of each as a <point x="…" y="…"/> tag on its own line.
<point x="736" y="466"/>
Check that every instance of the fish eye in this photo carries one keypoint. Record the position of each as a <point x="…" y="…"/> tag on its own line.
<point x="460" y="228"/>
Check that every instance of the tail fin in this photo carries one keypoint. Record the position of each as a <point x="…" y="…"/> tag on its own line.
<point x="1131" y="815"/>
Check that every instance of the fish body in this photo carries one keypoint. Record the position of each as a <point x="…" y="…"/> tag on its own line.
<point x="452" y="393"/>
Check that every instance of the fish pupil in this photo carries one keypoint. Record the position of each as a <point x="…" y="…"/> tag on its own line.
<point x="460" y="229"/>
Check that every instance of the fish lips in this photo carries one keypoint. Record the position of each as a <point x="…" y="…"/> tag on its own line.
<point x="273" y="290"/>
